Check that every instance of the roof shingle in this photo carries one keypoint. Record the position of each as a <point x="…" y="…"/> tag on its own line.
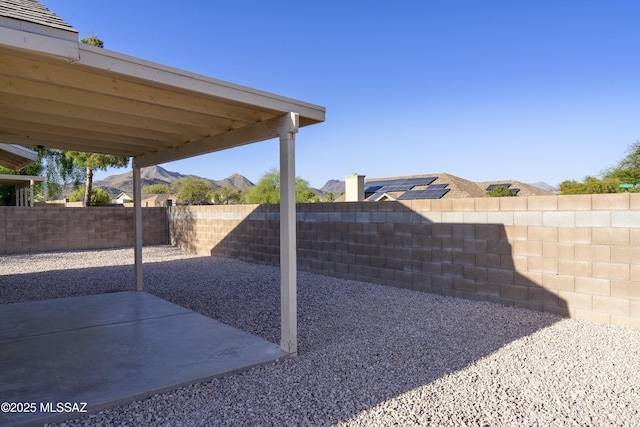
<point x="34" y="12"/>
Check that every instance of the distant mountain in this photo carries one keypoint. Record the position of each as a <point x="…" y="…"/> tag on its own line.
<point x="235" y="181"/>
<point x="545" y="186"/>
<point x="156" y="173"/>
<point x="334" y="186"/>
<point x="115" y="184"/>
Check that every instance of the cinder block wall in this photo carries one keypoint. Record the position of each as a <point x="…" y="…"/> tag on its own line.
<point x="573" y="255"/>
<point x="55" y="228"/>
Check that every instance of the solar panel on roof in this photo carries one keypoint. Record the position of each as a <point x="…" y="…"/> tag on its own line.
<point x="437" y="194"/>
<point x="375" y="189"/>
<point x="420" y="181"/>
<point x="410" y="195"/>
<point x="424" y="194"/>
<point x="492" y="186"/>
<point x="515" y="190"/>
<point x="411" y="182"/>
<point x="372" y="188"/>
<point x="437" y="186"/>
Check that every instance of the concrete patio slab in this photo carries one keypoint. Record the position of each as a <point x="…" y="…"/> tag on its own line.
<point x="65" y="356"/>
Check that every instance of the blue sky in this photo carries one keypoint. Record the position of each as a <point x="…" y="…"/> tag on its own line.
<point x="527" y="90"/>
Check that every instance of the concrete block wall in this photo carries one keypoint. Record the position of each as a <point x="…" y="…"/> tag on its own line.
<point x="55" y="228"/>
<point x="247" y="232"/>
<point x="572" y="255"/>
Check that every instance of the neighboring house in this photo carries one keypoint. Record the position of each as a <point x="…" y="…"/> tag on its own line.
<point x="156" y="200"/>
<point x="148" y="200"/>
<point x="432" y="186"/>
<point x="122" y="198"/>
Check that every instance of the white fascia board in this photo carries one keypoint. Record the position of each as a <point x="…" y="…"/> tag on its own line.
<point x="64" y="48"/>
<point x="19" y="151"/>
<point x="115" y="62"/>
<point x="19" y="179"/>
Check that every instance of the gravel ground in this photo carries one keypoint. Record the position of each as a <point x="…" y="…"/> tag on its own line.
<point x="368" y="354"/>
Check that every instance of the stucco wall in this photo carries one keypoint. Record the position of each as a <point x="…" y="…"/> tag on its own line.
<point x="572" y="255"/>
<point x="55" y="228"/>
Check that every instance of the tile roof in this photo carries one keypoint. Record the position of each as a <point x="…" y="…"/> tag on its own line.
<point x="34" y="12"/>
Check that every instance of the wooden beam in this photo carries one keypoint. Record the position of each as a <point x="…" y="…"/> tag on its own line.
<point x="65" y="137"/>
<point x="63" y="143"/>
<point x="97" y="113"/>
<point x="234" y="138"/>
<point x="235" y="94"/>
<point x="63" y="120"/>
<point x="144" y="107"/>
<point x="94" y="81"/>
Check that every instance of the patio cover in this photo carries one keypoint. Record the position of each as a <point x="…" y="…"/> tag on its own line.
<point x="24" y="187"/>
<point x="15" y="157"/>
<point x="57" y="92"/>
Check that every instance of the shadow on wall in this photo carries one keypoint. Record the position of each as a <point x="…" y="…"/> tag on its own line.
<point x="389" y="243"/>
<point x="182" y="228"/>
<point x="386" y="243"/>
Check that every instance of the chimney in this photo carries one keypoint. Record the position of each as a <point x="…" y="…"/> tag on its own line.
<point x="354" y="188"/>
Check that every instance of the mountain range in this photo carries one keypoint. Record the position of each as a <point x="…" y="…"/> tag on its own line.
<point x="116" y="184"/>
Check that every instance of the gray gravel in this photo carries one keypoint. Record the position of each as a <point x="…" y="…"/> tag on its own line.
<point x="369" y="355"/>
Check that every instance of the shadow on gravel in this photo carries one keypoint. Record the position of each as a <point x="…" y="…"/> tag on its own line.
<point x="361" y="344"/>
<point x="364" y="347"/>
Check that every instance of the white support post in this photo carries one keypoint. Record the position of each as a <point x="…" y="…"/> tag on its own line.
<point x="31" y="184"/>
<point x="137" y="225"/>
<point x="288" y="268"/>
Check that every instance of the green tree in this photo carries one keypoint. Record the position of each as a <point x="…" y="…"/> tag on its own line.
<point x="156" y="189"/>
<point x="501" y="191"/>
<point x="267" y="190"/>
<point x="591" y="185"/>
<point x="58" y="170"/>
<point x="571" y="186"/>
<point x="93" y="40"/>
<point x="53" y="165"/>
<point x="628" y="169"/>
<point x="226" y="196"/>
<point x="193" y="191"/>
<point x="601" y="186"/>
<point x="303" y="192"/>
<point x="98" y="196"/>
<point x="330" y="197"/>
<point x="93" y="161"/>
